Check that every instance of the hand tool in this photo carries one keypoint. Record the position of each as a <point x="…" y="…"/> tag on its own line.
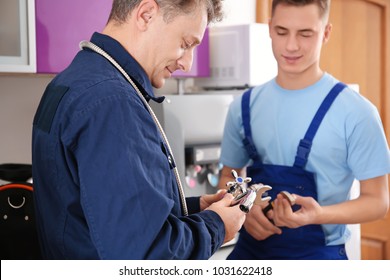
<point x="290" y="198"/>
<point x="254" y="195"/>
<point x="247" y="196"/>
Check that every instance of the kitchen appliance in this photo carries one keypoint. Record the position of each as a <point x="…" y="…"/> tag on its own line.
<point x="240" y="56"/>
<point x="194" y="126"/>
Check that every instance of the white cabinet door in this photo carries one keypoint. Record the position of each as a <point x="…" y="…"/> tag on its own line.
<point x="17" y="36"/>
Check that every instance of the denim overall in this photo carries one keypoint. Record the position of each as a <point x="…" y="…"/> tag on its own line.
<point x="306" y="242"/>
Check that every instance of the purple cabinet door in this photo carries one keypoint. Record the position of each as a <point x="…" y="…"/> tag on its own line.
<point x="61" y="25"/>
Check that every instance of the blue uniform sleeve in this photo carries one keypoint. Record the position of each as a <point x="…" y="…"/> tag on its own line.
<point x="129" y="200"/>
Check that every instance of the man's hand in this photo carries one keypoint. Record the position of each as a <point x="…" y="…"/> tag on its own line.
<point x="283" y="215"/>
<point x="208" y="199"/>
<point x="258" y="225"/>
<point x="232" y="216"/>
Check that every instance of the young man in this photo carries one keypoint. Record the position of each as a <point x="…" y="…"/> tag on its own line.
<point x="275" y="132"/>
<point x="103" y="174"/>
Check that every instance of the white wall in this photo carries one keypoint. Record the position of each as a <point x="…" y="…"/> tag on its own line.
<point x="238" y="12"/>
<point x="19" y="98"/>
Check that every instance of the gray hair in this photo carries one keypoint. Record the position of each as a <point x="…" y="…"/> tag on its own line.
<point x="121" y="9"/>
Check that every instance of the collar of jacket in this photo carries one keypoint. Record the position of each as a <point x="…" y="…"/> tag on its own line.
<point x="128" y="63"/>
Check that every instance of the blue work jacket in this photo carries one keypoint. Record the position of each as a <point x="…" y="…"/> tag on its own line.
<point x="104" y="187"/>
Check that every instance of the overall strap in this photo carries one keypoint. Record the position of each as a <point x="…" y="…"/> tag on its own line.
<point x="305" y="143"/>
<point x="248" y="140"/>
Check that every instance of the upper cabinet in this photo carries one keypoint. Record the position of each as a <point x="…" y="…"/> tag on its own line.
<point x="43" y="36"/>
<point x="61" y="26"/>
<point x="17" y="36"/>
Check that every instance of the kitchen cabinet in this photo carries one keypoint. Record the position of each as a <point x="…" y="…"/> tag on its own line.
<point x="358" y="52"/>
<point x="43" y="36"/>
<point x="61" y="25"/>
<point x="17" y="33"/>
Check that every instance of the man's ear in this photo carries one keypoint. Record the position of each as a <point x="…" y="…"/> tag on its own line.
<point x="269" y="26"/>
<point x="145" y="13"/>
<point x="327" y="32"/>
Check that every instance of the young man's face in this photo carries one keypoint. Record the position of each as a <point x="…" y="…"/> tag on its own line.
<point x="174" y="45"/>
<point x="297" y="35"/>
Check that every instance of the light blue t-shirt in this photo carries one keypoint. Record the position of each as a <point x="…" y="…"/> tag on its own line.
<point x="350" y="142"/>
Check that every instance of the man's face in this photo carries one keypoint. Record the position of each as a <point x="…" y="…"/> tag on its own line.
<point x="173" y="45"/>
<point x="297" y="35"/>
